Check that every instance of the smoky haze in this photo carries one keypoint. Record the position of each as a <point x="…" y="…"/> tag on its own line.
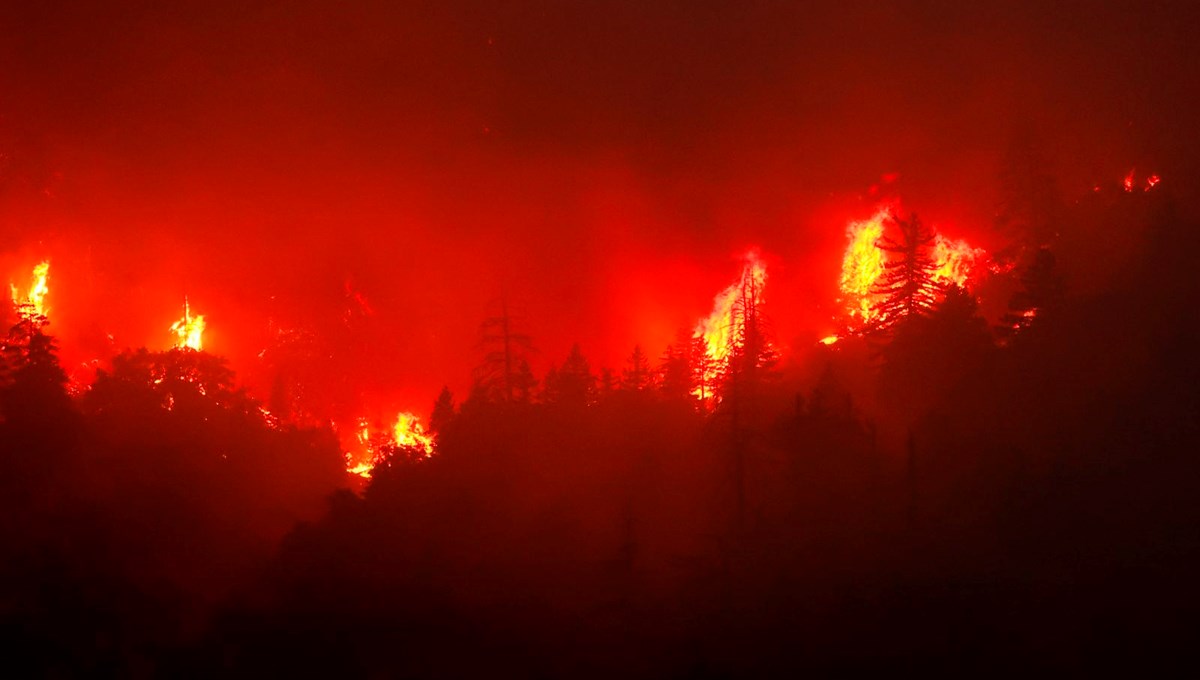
<point x="377" y="175"/>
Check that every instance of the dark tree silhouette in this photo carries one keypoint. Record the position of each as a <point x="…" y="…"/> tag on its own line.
<point x="1041" y="292"/>
<point x="705" y="372"/>
<point x="927" y="355"/>
<point x="607" y="383"/>
<point x="907" y="285"/>
<point x="36" y="392"/>
<point x="677" y="380"/>
<point x="443" y="411"/>
<point x="573" y="383"/>
<point x="504" y="350"/>
<point x="39" y="424"/>
<point x="751" y="360"/>
<point x="524" y="383"/>
<point x="637" y="376"/>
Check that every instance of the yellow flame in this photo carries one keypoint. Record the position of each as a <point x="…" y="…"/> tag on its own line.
<point x="864" y="262"/>
<point x="718" y="329"/>
<point x="955" y="260"/>
<point x="829" y="340"/>
<point x="862" y="265"/>
<point x="189" y="331"/>
<point x="33" y="303"/>
<point x="407" y="432"/>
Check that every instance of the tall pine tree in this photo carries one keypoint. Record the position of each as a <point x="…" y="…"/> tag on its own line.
<point x="908" y="286"/>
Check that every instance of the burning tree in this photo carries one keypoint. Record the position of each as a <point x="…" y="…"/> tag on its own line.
<point x="884" y="278"/>
<point x="189" y="331"/>
<point x="862" y="267"/>
<point x="749" y="355"/>
<point x="407" y="440"/>
<point x="732" y="333"/>
<point x="31" y="305"/>
<point x="909" y="285"/>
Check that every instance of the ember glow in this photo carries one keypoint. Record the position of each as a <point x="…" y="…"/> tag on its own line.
<point x="719" y="329"/>
<point x="32" y="304"/>
<point x="189" y="331"/>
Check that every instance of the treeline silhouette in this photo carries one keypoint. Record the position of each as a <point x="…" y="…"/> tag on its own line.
<point x="933" y="495"/>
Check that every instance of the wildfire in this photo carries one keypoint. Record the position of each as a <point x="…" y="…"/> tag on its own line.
<point x="955" y="260"/>
<point x="189" y="330"/>
<point x="862" y="265"/>
<point x="864" y="262"/>
<point x="720" y="327"/>
<point x="32" y="305"/>
<point x="407" y="433"/>
<point x="1129" y="180"/>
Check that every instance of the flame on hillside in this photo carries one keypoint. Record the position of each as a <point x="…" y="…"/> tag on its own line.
<point x="32" y="303"/>
<point x="189" y="331"/>
<point x="407" y="433"/>
<point x="956" y="260"/>
<point x="864" y="263"/>
<point x="719" y="329"/>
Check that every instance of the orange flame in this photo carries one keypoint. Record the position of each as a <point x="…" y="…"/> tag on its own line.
<point x="719" y="329"/>
<point x="862" y="265"/>
<point x="864" y="262"/>
<point x="955" y="260"/>
<point x="407" y="433"/>
<point x="33" y="304"/>
<point x="189" y="330"/>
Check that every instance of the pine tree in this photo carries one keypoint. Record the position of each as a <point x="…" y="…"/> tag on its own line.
<point x="443" y="411"/>
<point x="750" y="357"/>
<point x="37" y="389"/>
<point x="505" y="349"/>
<point x="908" y="283"/>
<point x="608" y="383"/>
<point x="576" y="383"/>
<point x="677" y="381"/>
<point x="927" y="355"/>
<point x="637" y="377"/>
<point x="550" y="386"/>
<point x="524" y="383"/>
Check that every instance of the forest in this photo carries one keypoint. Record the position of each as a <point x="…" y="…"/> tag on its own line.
<point x="621" y="339"/>
<point x="930" y="490"/>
